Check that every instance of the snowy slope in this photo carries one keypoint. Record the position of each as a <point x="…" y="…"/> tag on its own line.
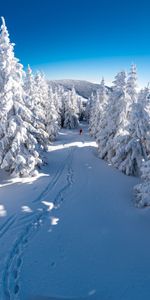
<point x="82" y="87"/>
<point x="73" y="233"/>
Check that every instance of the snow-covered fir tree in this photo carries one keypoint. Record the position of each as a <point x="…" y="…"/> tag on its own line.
<point x="112" y="117"/>
<point x="99" y="108"/>
<point x="39" y="109"/>
<point x="132" y="142"/>
<point x="36" y="98"/>
<point x="74" y="100"/>
<point x="62" y="98"/>
<point x="81" y="109"/>
<point x="52" y="115"/>
<point x="58" y="103"/>
<point x="71" y="118"/>
<point x="141" y="191"/>
<point x="92" y="111"/>
<point x="17" y="144"/>
<point x="93" y="115"/>
<point x="132" y="83"/>
<point x="89" y="106"/>
<point x="29" y="89"/>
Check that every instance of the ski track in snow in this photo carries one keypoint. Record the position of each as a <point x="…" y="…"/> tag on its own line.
<point x="10" y="280"/>
<point x="5" y="227"/>
<point x="32" y="226"/>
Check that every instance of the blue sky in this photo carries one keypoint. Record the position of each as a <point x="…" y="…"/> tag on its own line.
<point x="81" y="39"/>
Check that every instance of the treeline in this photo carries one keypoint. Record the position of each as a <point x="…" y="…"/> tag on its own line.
<point x="119" y="119"/>
<point x="31" y="112"/>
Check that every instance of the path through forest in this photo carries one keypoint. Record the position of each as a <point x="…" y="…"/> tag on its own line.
<point x="73" y="232"/>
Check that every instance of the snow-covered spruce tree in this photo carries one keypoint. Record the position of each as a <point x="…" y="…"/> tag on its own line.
<point x="93" y="116"/>
<point x="57" y="101"/>
<point x="132" y="142"/>
<point x="92" y="112"/>
<point x="88" y="109"/>
<point x="39" y="109"/>
<point x="74" y="100"/>
<point x="62" y="98"/>
<point x="112" y="117"/>
<point x="141" y="192"/>
<point x="29" y="89"/>
<point x="99" y="109"/>
<point x="17" y="144"/>
<point x="52" y="117"/>
<point x="81" y="109"/>
<point x="36" y="98"/>
<point x="71" y="119"/>
<point x="132" y="83"/>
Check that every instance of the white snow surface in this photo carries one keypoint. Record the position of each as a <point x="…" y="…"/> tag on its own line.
<point x="73" y="231"/>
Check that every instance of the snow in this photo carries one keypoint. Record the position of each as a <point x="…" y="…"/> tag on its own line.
<point x="73" y="232"/>
<point x="83" y="88"/>
<point x="18" y="153"/>
<point x="3" y="211"/>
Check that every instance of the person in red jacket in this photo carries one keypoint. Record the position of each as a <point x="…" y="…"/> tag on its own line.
<point x="81" y="131"/>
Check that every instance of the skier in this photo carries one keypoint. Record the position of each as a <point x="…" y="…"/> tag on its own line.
<point x="81" y="131"/>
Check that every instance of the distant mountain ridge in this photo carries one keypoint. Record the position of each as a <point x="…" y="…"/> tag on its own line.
<point x="83" y="88"/>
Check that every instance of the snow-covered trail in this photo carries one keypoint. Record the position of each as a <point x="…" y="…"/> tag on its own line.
<point x="73" y="233"/>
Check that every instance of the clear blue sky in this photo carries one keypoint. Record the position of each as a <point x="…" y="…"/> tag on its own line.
<point x="82" y="39"/>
